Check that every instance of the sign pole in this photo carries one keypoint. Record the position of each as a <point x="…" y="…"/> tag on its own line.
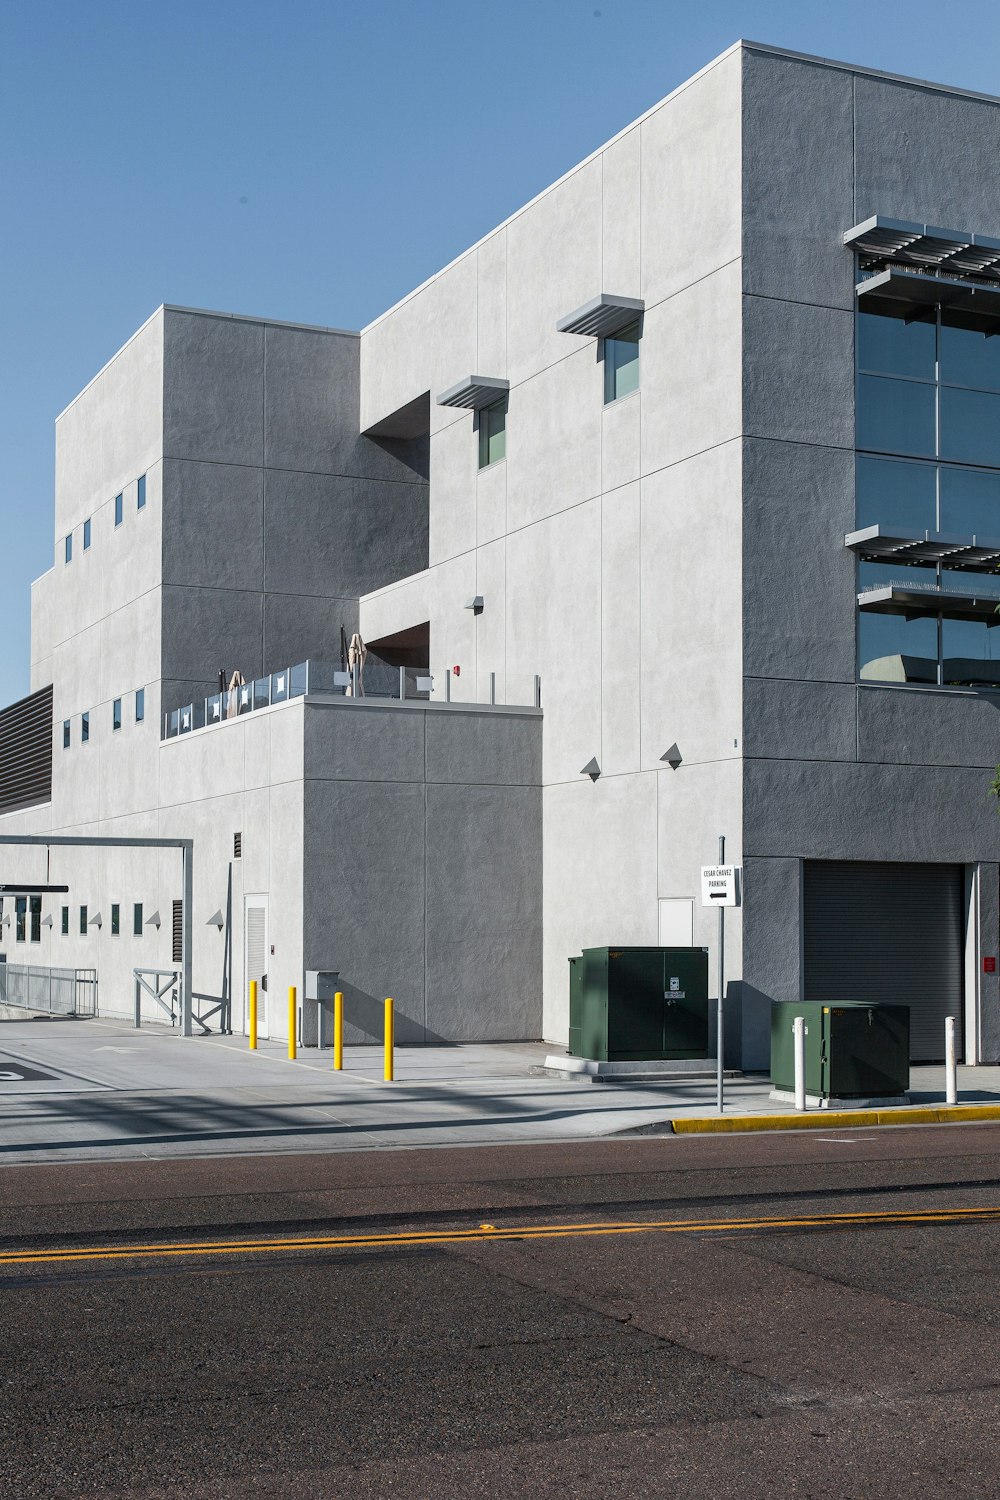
<point x="720" y="1022"/>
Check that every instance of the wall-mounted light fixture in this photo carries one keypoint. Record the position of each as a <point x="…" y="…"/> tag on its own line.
<point x="591" y="769"/>
<point x="47" y="921"/>
<point x="216" y="920"/>
<point x="673" y="757"/>
<point x="154" y="920"/>
<point x="96" y="920"/>
<point x="477" y="605"/>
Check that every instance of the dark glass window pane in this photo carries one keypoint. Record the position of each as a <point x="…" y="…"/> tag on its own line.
<point x="892" y="347"/>
<point x="492" y="434"/>
<point x="68" y="549"/>
<point x="896" y="416"/>
<point x="83" y="921"/>
<point x="86" y="535"/>
<point x="621" y="364"/>
<point x="137" y="919"/>
<point x="892" y="648"/>
<point x="970" y="503"/>
<point x="116" y="922"/>
<point x="970" y="358"/>
<point x="873" y="575"/>
<point x="20" y="918"/>
<point x="140" y="705"/>
<point x="66" y="734"/>
<point x="970" y="426"/>
<point x="118" y="510"/>
<point x="65" y="921"/>
<point x="971" y="653"/>
<point x="116" y="714"/>
<point x="140" y="498"/>
<point x="965" y="582"/>
<point x="890" y="493"/>
<point x="85" y="727"/>
<point x="36" y="919"/>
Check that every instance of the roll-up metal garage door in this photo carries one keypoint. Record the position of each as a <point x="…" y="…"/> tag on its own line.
<point x="888" y="932"/>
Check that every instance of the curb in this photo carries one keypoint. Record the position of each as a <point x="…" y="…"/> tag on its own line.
<point x="943" y="1114"/>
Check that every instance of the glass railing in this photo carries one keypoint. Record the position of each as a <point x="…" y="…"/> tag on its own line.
<point x="375" y="680"/>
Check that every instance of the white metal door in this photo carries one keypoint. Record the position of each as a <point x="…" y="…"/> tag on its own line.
<point x="256" y="959"/>
<point x="676" y="921"/>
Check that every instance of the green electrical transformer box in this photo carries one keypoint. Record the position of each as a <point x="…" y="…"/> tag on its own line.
<point x="637" y="1004"/>
<point x="853" y="1050"/>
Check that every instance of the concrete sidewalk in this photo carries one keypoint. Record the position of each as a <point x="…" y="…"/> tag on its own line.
<point x="89" y="1090"/>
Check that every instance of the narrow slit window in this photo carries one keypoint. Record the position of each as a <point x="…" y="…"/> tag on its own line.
<point x="35" y="912"/>
<point x="83" y="921"/>
<point x="66" y="734"/>
<point x="621" y="364"/>
<point x="84" y="728"/>
<point x="137" y="919"/>
<point x="20" y="918"/>
<point x="119" y="509"/>
<point x="64" y="923"/>
<point x="140" y="493"/>
<point x="68" y="548"/>
<point x="140" y="705"/>
<point x="116" y="714"/>
<point x="86" y="536"/>
<point x="116" y="919"/>
<point x="492" y="434"/>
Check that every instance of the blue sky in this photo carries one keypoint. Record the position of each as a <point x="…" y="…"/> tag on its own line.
<point x="314" y="162"/>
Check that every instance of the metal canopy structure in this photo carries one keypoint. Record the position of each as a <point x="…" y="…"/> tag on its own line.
<point x="475" y="392"/>
<point x="926" y="246"/>
<point x="602" y="317"/>
<point x="901" y="598"/>
<point x="909" y="294"/>
<point x="19" y="888"/>
<point x="967" y="554"/>
<point x="186" y="846"/>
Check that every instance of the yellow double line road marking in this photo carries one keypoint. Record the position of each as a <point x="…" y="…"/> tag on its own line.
<point x="489" y="1233"/>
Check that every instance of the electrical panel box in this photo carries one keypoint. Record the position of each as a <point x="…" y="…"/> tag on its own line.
<point x="637" y="1004"/>
<point x="853" y="1050"/>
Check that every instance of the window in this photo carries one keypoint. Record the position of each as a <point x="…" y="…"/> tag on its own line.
<point x="621" y="364"/>
<point x="84" y="728"/>
<point x="64" y="924"/>
<point x="116" y="714"/>
<point x="20" y="918"/>
<point x="86" y="536"/>
<point x="35" y="912"/>
<point x="83" y="921"/>
<point x="137" y="919"/>
<point x="140" y="493"/>
<point x="116" y="919"/>
<point x="66" y="733"/>
<point x="118" y="510"/>
<point x="140" y="705"/>
<point x="929" y="390"/>
<point x="68" y="548"/>
<point x="492" y="434"/>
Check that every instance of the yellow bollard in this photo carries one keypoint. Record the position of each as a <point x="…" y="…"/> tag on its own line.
<point x="292" y="1020"/>
<point x="388" y="1041"/>
<point x="253" y="1015"/>
<point x="338" y="1030"/>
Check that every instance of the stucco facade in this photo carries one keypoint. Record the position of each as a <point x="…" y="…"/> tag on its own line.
<point x="671" y="565"/>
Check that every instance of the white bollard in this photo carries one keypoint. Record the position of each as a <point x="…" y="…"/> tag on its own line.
<point x="950" y="1067"/>
<point x="799" y="1036"/>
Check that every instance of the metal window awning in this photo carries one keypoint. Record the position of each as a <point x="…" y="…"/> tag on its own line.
<point x="900" y="598"/>
<point x="925" y="245"/>
<point x="475" y="392"/>
<point x="969" y="553"/>
<point x="602" y="316"/>
<point x="908" y="294"/>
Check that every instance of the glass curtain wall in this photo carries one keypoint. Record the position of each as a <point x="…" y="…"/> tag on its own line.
<point x="928" y="439"/>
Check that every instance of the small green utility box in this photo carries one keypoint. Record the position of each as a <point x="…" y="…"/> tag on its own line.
<point x="853" y="1050"/>
<point x="637" y="1004"/>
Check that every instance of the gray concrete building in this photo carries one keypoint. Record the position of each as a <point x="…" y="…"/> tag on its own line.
<point x="706" y="440"/>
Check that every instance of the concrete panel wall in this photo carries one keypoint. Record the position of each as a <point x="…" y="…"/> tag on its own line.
<point x="423" y="867"/>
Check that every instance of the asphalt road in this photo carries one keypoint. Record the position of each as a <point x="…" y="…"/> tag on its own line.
<point x="815" y="1315"/>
